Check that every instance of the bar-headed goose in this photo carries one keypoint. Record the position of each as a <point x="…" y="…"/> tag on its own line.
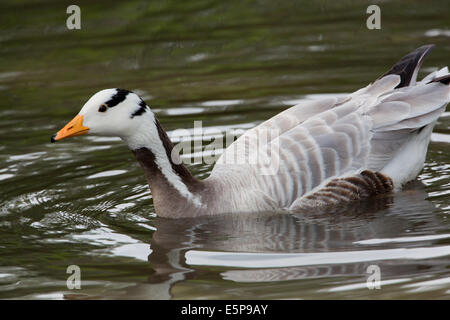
<point x="314" y="154"/>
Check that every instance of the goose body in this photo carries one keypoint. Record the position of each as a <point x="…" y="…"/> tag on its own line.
<point x="314" y="154"/>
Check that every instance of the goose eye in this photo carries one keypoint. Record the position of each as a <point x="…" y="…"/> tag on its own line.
<point x="102" y="108"/>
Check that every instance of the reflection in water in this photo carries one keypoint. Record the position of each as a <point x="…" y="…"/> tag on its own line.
<point x="303" y="246"/>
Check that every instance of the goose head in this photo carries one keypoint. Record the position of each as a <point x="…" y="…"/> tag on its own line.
<point x="122" y="113"/>
<point x="110" y="112"/>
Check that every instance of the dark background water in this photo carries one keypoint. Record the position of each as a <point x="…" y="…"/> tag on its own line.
<point x="231" y="64"/>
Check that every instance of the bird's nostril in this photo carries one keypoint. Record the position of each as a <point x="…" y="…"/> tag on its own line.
<point x="70" y="128"/>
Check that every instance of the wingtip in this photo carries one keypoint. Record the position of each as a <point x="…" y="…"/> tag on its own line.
<point x="407" y="67"/>
<point x="426" y="49"/>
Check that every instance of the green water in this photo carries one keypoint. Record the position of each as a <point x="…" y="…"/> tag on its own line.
<point x="231" y="64"/>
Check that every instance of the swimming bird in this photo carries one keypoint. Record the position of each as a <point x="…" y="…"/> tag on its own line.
<point x="319" y="153"/>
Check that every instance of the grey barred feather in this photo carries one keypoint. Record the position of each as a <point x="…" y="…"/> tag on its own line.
<point x="334" y="150"/>
<point x="343" y="190"/>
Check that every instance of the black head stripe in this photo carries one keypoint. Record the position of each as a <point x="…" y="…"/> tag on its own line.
<point x="141" y="110"/>
<point x="117" y="98"/>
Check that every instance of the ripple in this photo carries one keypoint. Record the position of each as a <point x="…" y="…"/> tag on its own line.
<point x="27" y="156"/>
<point x="437" y="33"/>
<point x="363" y="285"/>
<point x="95" y="148"/>
<point x="317" y="48"/>
<point x="9" y="75"/>
<point x="6" y="176"/>
<point x="103" y="236"/>
<point x="103" y="139"/>
<point x="108" y="173"/>
<point x="139" y="251"/>
<point x="429" y="285"/>
<point x="48" y="296"/>
<point x="221" y="103"/>
<point x="440" y="137"/>
<point x="403" y="239"/>
<point x="8" y="278"/>
<point x="272" y="260"/>
<point x="197" y="57"/>
<point x="24" y="202"/>
<point x="123" y="245"/>
<point x="144" y="194"/>
<point x="121" y="207"/>
<point x="182" y="111"/>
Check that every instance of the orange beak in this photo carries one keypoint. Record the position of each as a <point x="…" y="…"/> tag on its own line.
<point x="72" y="129"/>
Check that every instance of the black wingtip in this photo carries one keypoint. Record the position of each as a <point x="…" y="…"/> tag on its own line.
<point x="409" y="65"/>
<point x="52" y="139"/>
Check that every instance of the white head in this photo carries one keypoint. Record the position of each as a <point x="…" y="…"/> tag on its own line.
<point x="122" y="113"/>
<point x="110" y="112"/>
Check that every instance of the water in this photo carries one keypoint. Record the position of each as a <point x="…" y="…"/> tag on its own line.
<point x="85" y="202"/>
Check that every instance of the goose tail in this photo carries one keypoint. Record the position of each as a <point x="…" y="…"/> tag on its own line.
<point x="404" y="118"/>
<point x="408" y="66"/>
